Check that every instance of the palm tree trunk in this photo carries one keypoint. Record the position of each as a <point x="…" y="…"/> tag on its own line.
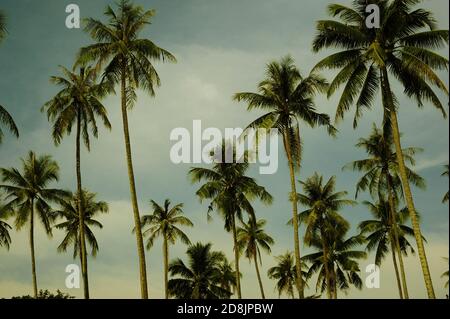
<point x="334" y="284"/>
<point x="236" y="257"/>
<point x="33" y="258"/>
<point x="405" y="183"/>
<point x="166" y="266"/>
<point x="397" y="274"/>
<point x="83" y="254"/>
<point x="298" y="267"/>
<point x="134" y="202"/>
<point x="327" y="270"/>
<point x="395" y="236"/>
<point x="259" y="277"/>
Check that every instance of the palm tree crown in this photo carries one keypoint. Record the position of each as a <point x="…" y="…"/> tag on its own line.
<point x="342" y="261"/>
<point x="287" y="97"/>
<point x="78" y="100"/>
<point x="5" y="238"/>
<point x="382" y="165"/>
<point x="71" y="224"/>
<point x="378" y="231"/>
<point x="119" y="46"/>
<point x="403" y="44"/>
<point x="163" y="222"/>
<point x="201" y="277"/>
<point x="323" y="206"/>
<point x="284" y="272"/>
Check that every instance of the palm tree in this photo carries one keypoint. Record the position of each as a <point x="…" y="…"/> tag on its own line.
<point x="5" y="118"/>
<point x="230" y="192"/>
<point x="341" y="261"/>
<point x="163" y="222"/>
<point x="380" y="237"/>
<point x="78" y="103"/>
<point x="288" y="97"/>
<point x="285" y="272"/>
<point x="382" y="179"/>
<point x="201" y="277"/>
<point x="71" y="224"/>
<point x="445" y="173"/>
<point x="28" y="194"/>
<point x="129" y="62"/>
<point x="322" y="215"/>
<point x="403" y="47"/>
<point x="251" y="237"/>
<point x="5" y="238"/>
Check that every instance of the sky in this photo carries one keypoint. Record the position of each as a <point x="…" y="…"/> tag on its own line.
<point x="222" y="48"/>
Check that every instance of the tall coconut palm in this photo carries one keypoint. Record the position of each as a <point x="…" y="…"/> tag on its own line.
<point x="5" y="238"/>
<point x="402" y="47"/>
<point x="5" y="118"/>
<point x="230" y="192"/>
<point x="251" y="237"/>
<point x="445" y="173"/>
<point x="382" y="179"/>
<point x="380" y="237"/>
<point x="128" y="59"/>
<point x="78" y="103"/>
<point x="163" y="222"/>
<point x="287" y="98"/>
<point x="28" y="194"/>
<point x="322" y="215"/>
<point x="285" y="272"/>
<point x="200" y="278"/>
<point x="342" y="260"/>
<point x="68" y="211"/>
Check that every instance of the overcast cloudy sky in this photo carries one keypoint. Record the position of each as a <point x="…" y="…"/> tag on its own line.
<point x="222" y="48"/>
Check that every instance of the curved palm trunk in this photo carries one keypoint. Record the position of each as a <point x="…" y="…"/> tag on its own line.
<point x="333" y="284"/>
<point x="397" y="274"/>
<point x="137" y="223"/>
<point x="396" y="243"/>
<point x="259" y="277"/>
<point x="166" y="266"/>
<point x="83" y="254"/>
<point x="406" y="188"/>
<point x="33" y="258"/>
<point x="298" y="270"/>
<point x="236" y="257"/>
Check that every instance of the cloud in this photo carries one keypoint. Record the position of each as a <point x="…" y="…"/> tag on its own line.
<point x="426" y="163"/>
